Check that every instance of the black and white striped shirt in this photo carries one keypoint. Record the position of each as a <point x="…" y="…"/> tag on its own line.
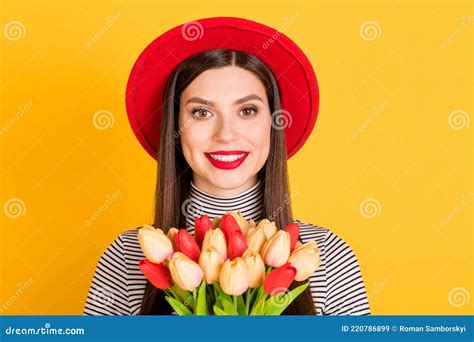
<point x="337" y="286"/>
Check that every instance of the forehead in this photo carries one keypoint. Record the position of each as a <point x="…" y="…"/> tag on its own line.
<point x="226" y="82"/>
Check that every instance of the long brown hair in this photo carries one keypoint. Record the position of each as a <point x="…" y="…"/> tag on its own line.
<point x="174" y="175"/>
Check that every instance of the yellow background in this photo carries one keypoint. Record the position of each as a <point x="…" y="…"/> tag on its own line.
<point x="385" y="132"/>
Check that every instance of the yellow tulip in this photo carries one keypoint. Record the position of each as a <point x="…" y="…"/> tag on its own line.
<point x="241" y="221"/>
<point x="211" y="262"/>
<point x="215" y="238"/>
<point x="256" y="239"/>
<point x="275" y="252"/>
<point x="154" y="243"/>
<point x="233" y="277"/>
<point x="186" y="273"/>
<point x="305" y="259"/>
<point x="170" y="235"/>
<point x="255" y="268"/>
<point x="268" y="226"/>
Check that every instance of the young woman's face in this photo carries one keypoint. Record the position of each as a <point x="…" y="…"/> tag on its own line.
<point x="224" y="115"/>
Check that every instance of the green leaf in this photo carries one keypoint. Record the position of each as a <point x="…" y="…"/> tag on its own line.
<point x="228" y="306"/>
<point x="276" y="304"/>
<point x="201" y="305"/>
<point x="242" y="311"/>
<point x="179" y="307"/>
<point x="259" y="307"/>
<point x="218" y="311"/>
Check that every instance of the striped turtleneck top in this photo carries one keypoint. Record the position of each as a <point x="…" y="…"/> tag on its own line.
<point x="337" y="286"/>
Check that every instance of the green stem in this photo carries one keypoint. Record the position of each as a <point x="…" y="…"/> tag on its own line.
<point x="235" y="303"/>
<point x="248" y="296"/>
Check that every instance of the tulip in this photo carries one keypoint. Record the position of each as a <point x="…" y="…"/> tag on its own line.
<point x="241" y="221"/>
<point x="255" y="268"/>
<point x="233" y="277"/>
<point x="305" y="259"/>
<point x="268" y="226"/>
<point x="186" y="244"/>
<point x="215" y="238"/>
<point x="294" y="230"/>
<point x="158" y="274"/>
<point x="185" y="272"/>
<point x="278" y="280"/>
<point x="171" y="232"/>
<point x="155" y="245"/>
<point x="275" y="252"/>
<point x="211" y="262"/>
<point x="201" y="226"/>
<point x="237" y="245"/>
<point x="250" y="231"/>
<point x="229" y="225"/>
<point x="256" y="240"/>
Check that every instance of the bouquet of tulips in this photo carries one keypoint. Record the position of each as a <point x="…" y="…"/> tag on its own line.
<point x="232" y="266"/>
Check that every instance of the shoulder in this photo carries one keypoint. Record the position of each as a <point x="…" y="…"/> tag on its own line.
<point x="326" y="239"/>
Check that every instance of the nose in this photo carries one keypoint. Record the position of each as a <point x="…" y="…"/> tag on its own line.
<point x="226" y="130"/>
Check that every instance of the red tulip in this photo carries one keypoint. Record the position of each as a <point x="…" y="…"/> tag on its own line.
<point x="229" y="225"/>
<point x="158" y="274"/>
<point x="278" y="280"/>
<point x="237" y="244"/>
<point x="201" y="226"/>
<point x="294" y="230"/>
<point x="186" y="244"/>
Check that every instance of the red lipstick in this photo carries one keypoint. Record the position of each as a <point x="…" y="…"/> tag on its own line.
<point x="226" y="164"/>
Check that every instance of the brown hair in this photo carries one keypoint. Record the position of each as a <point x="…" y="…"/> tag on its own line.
<point x="174" y="175"/>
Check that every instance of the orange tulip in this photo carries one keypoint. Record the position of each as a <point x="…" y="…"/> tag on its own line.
<point x="256" y="239"/>
<point x="241" y="221"/>
<point x="211" y="262"/>
<point x="268" y="226"/>
<point x="185" y="272"/>
<point x="154" y="243"/>
<point x="215" y="238"/>
<point x="275" y="252"/>
<point x="305" y="259"/>
<point x="233" y="277"/>
<point x="171" y="232"/>
<point x="255" y="268"/>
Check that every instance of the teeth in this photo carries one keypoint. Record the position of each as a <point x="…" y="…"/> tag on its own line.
<point x="224" y="158"/>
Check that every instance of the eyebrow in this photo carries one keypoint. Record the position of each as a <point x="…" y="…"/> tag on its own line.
<point x="212" y="104"/>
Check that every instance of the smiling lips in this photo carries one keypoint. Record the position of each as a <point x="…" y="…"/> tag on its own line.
<point x="226" y="160"/>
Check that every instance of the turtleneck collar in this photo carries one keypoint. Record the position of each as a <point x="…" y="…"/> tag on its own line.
<point x="199" y="202"/>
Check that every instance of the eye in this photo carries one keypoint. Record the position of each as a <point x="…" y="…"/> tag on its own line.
<point x="249" y="111"/>
<point x="200" y="113"/>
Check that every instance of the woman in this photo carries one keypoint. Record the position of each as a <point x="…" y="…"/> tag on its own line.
<point x="222" y="147"/>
